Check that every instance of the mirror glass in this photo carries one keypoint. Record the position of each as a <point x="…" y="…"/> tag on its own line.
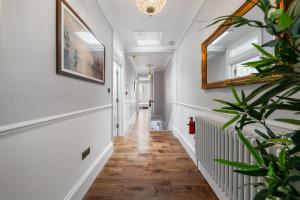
<point x="227" y="53"/>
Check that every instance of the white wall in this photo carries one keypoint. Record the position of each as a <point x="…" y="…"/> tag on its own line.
<point x="130" y="103"/>
<point x="48" y="120"/>
<point x="128" y="77"/>
<point x="190" y="98"/>
<point x="169" y="90"/>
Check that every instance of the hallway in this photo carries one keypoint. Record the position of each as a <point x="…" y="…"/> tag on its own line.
<point x="150" y="166"/>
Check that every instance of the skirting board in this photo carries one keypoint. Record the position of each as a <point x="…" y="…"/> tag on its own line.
<point x="85" y="182"/>
<point x="212" y="183"/>
<point x="191" y="151"/>
<point x="188" y="147"/>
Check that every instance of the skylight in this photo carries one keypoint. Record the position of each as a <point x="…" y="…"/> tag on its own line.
<point x="148" y="38"/>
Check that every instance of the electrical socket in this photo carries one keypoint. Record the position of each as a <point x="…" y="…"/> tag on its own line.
<point x="86" y="153"/>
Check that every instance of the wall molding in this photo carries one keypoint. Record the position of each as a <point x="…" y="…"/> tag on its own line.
<point x="280" y="126"/>
<point x="17" y="128"/>
<point x="85" y="182"/>
<point x="188" y="146"/>
<point x="193" y="106"/>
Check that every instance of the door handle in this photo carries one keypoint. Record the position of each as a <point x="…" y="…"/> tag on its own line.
<point x="150" y="103"/>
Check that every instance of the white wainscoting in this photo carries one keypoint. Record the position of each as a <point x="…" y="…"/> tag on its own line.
<point x="41" y="159"/>
<point x="12" y="129"/>
<point x="85" y="182"/>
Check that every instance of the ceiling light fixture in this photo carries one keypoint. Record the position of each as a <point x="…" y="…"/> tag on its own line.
<point x="150" y="7"/>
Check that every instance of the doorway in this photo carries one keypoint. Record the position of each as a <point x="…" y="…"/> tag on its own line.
<point x="144" y="94"/>
<point x="116" y="99"/>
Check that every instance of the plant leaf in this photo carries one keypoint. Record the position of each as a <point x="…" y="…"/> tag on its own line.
<point x="255" y="172"/>
<point x="232" y="121"/>
<point x="238" y="165"/>
<point x="226" y="111"/>
<point x="251" y="149"/>
<point x="236" y="96"/>
<point x="262" y="195"/>
<point x="296" y="149"/>
<point x="282" y="159"/>
<point x="289" y="121"/>
<point x="263" y="51"/>
<point x="261" y="134"/>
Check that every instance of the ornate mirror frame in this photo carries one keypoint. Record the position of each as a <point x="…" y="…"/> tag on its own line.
<point x="248" y="5"/>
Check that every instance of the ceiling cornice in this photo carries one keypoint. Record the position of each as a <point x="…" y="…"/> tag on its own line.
<point x="190" y="22"/>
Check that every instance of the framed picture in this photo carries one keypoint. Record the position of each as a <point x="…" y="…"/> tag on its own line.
<point x="80" y="53"/>
<point x="1" y="14"/>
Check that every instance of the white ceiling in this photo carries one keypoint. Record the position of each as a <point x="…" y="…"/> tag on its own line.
<point x="158" y="62"/>
<point x="173" y="21"/>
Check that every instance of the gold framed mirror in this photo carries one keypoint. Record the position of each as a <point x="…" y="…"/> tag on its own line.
<point x="227" y="48"/>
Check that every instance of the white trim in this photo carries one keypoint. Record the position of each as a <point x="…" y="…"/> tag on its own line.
<point x="188" y="146"/>
<point x="12" y="129"/>
<point x="85" y="182"/>
<point x="275" y="124"/>
<point x="215" y="187"/>
<point x="192" y="106"/>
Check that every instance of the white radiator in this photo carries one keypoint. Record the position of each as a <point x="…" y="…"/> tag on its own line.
<point x="214" y="143"/>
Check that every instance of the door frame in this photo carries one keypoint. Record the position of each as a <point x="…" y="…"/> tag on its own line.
<point x="117" y="99"/>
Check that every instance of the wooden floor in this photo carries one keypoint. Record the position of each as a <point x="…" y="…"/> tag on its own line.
<point x="149" y="166"/>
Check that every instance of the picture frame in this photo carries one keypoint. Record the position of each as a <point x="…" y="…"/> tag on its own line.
<point x="243" y="80"/>
<point x="80" y="54"/>
<point x="1" y="20"/>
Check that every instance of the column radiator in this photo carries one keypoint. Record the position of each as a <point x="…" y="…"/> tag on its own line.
<point x="214" y="143"/>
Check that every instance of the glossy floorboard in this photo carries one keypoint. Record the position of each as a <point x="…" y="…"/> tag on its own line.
<point x="149" y="166"/>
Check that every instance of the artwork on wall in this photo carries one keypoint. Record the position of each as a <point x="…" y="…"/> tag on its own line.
<point x="79" y="53"/>
<point x="1" y="14"/>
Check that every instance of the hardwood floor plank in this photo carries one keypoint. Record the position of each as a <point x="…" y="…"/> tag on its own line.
<point x="149" y="166"/>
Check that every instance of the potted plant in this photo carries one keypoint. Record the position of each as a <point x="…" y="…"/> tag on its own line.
<point x="280" y="171"/>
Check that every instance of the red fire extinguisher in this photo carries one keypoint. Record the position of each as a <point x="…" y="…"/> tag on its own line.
<point x="191" y="125"/>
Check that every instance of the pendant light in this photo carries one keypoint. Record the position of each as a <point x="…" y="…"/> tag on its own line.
<point x="150" y="7"/>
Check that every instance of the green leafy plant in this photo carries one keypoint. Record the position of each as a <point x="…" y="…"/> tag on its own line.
<point x="279" y="171"/>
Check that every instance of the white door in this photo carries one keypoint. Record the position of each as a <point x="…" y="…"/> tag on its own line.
<point x="144" y="94"/>
<point x="116" y="99"/>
